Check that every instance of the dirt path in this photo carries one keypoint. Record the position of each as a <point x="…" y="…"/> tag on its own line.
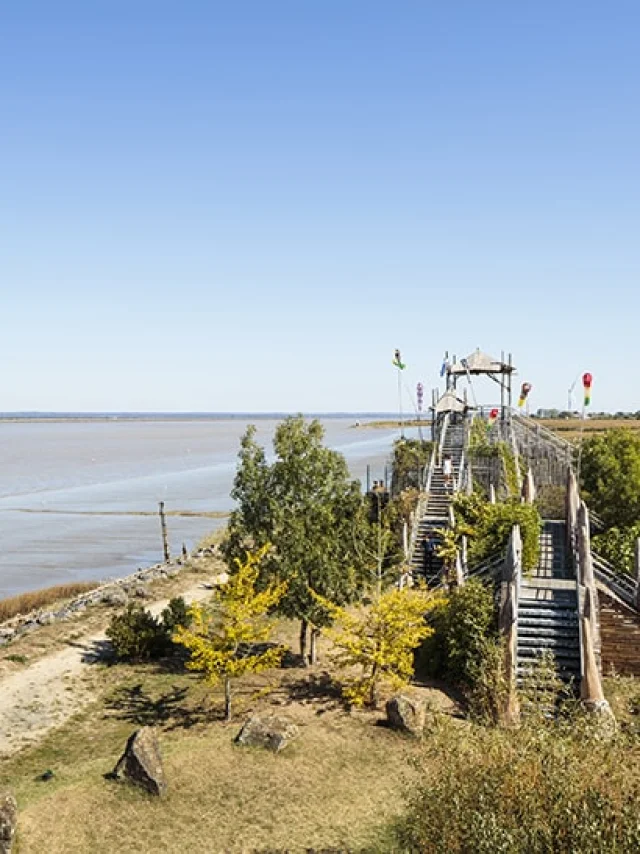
<point x="52" y="689"/>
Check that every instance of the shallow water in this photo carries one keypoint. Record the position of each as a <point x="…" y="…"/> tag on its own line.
<point x="127" y="466"/>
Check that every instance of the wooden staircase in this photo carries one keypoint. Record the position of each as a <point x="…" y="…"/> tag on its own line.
<point x="548" y="610"/>
<point x="436" y="516"/>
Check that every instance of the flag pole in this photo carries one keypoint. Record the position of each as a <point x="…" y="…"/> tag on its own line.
<point x="400" y="403"/>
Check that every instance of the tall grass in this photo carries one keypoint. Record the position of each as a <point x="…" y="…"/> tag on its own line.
<point x="26" y="602"/>
<point x="548" y="787"/>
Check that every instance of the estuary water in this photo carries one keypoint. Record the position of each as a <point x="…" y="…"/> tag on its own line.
<point x="67" y="488"/>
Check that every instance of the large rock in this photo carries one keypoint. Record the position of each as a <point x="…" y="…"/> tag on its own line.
<point x="270" y="731"/>
<point x="141" y="762"/>
<point x="8" y="822"/>
<point x="602" y="719"/>
<point x="406" y="714"/>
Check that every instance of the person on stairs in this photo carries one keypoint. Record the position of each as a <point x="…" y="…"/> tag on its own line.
<point x="428" y="553"/>
<point x="447" y="471"/>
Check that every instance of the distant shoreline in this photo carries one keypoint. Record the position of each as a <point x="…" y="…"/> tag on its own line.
<point x="392" y="424"/>
<point x="89" y="417"/>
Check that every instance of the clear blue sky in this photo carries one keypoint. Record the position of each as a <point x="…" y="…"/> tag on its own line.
<point x="248" y="205"/>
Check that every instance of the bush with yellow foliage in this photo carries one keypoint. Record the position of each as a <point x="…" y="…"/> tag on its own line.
<point x="380" y="639"/>
<point x="222" y="636"/>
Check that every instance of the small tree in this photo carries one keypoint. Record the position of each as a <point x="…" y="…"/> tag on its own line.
<point x="222" y="636"/>
<point x="307" y="506"/>
<point x="381" y="640"/>
<point x="610" y="475"/>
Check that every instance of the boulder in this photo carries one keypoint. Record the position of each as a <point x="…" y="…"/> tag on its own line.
<point x="269" y="731"/>
<point x="113" y="596"/>
<point x="141" y="762"/>
<point x="602" y="719"/>
<point x="406" y="714"/>
<point x="8" y="822"/>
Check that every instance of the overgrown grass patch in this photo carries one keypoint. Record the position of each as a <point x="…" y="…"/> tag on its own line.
<point x="24" y="603"/>
<point x="331" y="787"/>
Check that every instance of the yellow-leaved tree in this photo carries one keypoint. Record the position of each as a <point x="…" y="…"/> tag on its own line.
<point x="222" y="636"/>
<point x="380" y="639"/>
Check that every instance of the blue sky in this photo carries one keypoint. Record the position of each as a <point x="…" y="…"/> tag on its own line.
<point x="248" y="205"/>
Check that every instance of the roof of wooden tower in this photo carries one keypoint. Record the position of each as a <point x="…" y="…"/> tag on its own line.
<point x="480" y="363"/>
<point x="449" y="402"/>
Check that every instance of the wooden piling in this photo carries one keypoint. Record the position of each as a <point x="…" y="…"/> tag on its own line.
<point x="163" y="528"/>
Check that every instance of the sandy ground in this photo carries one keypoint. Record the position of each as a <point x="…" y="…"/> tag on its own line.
<point x="35" y="700"/>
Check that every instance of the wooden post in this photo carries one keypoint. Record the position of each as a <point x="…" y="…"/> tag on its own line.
<point x="163" y="528"/>
<point x="508" y="622"/>
<point x="637" y="569"/>
<point x="492" y="494"/>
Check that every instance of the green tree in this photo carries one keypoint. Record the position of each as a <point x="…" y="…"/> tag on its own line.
<point x="305" y="504"/>
<point x="410" y="456"/>
<point x="610" y="475"/>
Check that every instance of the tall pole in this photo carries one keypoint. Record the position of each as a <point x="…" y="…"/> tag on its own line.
<point x="400" y="402"/>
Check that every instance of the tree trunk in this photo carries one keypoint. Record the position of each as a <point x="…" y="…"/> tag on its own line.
<point x="227" y="698"/>
<point x="313" y="649"/>
<point x="303" y="641"/>
<point x="373" y="689"/>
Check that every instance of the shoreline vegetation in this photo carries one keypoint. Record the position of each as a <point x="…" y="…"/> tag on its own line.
<point x="392" y="424"/>
<point x="24" y="603"/>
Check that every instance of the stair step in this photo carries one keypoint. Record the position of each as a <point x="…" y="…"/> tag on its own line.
<point x="558" y="632"/>
<point x="559" y="645"/>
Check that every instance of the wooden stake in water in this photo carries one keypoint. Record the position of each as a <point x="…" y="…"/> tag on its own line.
<point x="163" y="528"/>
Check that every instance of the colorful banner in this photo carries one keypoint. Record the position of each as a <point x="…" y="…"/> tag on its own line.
<point x="524" y="394"/>
<point x="493" y="417"/>
<point x="419" y="396"/>
<point x="587" y="382"/>
<point x="397" y="361"/>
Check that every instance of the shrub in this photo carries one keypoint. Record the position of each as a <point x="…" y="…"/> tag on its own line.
<point x="618" y="546"/>
<point x="488" y="527"/>
<point x="137" y="635"/>
<point x="543" y="788"/>
<point x="465" y="636"/>
<point x="410" y="457"/>
<point x="176" y="614"/>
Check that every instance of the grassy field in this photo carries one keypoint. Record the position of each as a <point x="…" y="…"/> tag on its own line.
<point x="338" y="787"/>
<point x="571" y="428"/>
<point x="334" y="787"/>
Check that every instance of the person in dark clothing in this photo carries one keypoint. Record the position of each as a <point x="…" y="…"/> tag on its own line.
<point x="428" y="552"/>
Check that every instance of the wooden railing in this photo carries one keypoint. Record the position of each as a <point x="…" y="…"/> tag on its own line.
<point x="623" y="586"/>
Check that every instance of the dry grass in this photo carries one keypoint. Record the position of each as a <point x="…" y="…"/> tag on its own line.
<point x="572" y="428"/>
<point x="26" y="602"/>
<point x="333" y="787"/>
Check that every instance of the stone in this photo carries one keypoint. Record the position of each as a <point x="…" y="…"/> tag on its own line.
<point x="269" y="731"/>
<point x="602" y="719"/>
<point x="8" y="822"/>
<point x="114" y="596"/>
<point x="406" y="714"/>
<point x="141" y="763"/>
